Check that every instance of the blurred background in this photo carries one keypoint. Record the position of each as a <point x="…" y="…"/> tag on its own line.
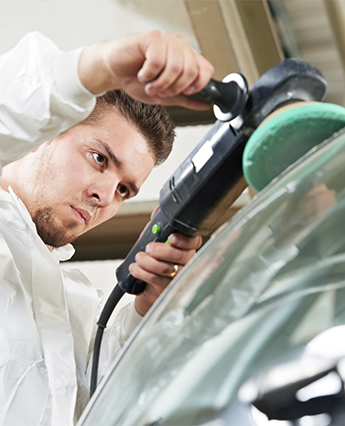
<point x="247" y="36"/>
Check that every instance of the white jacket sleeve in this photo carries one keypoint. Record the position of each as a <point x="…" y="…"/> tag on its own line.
<point x="40" y="95"/>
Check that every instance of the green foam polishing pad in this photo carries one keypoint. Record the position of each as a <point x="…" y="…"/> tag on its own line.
<point x="286" y="137"/>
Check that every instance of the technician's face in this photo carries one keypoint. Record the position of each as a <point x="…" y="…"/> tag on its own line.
<point x="81" y="179"/>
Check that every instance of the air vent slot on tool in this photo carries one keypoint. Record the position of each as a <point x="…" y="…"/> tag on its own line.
<point x="174" y="192"/>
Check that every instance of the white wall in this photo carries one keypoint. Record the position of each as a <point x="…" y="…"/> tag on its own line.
<point x="72" y="23"/>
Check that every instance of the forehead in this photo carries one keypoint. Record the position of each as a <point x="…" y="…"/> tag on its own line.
<point x="111" y="123"/>
<point x="123" y="143"/>
<point x="121" y="132"/>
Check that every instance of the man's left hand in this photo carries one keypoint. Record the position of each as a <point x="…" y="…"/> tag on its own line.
<point x="156" y="266"/>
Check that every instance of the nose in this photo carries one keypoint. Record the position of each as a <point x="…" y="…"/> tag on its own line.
<point x="103" y="192"/>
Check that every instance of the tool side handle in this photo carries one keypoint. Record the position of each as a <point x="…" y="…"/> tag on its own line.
<point x="229" y="96"/>
<point x="158" y="230"/>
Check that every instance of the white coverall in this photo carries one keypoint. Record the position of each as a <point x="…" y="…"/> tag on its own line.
<point x="47" y="315"/>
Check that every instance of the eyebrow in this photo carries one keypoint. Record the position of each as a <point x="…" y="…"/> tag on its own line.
<point x="116" y="162"/>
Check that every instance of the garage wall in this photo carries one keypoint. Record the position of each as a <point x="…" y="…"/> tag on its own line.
<point x="72" y="23"/>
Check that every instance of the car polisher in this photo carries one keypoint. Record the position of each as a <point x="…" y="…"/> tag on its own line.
<point x="201" y="190"/>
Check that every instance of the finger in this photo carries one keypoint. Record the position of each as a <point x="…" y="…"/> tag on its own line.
<point x="187" y="74"/>
<point x="180" y="71"/>
<point x="156" y="266"/>
<point x="203" y="78"/>
<point x="175" y="52"/>
<point x="185" y="242"/>
<point x="179" y="78"/>
<point x="168" y="253"/>
<point x="154" y="50"/>
<point x="150" y="277"/>
<point x="197" y="72"/>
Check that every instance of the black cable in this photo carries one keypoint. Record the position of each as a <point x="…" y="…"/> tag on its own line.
<point x="108" y="309"/>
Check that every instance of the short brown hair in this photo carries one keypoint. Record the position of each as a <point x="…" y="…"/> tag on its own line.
<point x="152" y="121"/>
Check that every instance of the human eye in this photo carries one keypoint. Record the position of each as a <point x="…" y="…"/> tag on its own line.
<point x="100" y="159"/>
<point x="123" y="191"/>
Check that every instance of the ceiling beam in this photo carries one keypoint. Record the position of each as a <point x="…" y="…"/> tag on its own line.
<point x="236" y="36"/>
<point x="260" y="32"/>
<point x="212" y="34"/>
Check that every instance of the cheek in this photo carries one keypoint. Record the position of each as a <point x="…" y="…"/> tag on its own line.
<point x="73" y="178"/>
<point x="59" y="184"/>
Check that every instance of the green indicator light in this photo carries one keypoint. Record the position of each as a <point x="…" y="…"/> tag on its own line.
<point x="156" y="229"/>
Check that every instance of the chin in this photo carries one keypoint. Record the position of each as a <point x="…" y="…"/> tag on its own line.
<point x="51" y="232"/>
<point x="54" y="240"/>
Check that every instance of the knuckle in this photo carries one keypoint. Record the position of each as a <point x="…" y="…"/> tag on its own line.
<point x="152" y="249"/>
<point x="180" y="257"/>
<point x="156" y="33"/>
<point x="157" y="282"/>
<point x="191" y="73"/>
<point x="134" y="270"/>
<point x="198" y="242"/>
<point x="166" y="269"/>
<point x="191" y="254"/>
<point x="176" y="67"/>
<point x="173" y="91"/>
<point x="210" y="68"/>
<point x="156" y="62"/>
<point x="182" y="38"/>
<point x="152" y="278"/>
<point x="205" y="64"/>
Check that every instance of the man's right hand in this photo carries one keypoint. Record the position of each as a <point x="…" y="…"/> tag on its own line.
<point x="153" y="67"/>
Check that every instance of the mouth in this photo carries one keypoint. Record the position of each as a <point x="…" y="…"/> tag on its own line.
<point x="83" y="216"/>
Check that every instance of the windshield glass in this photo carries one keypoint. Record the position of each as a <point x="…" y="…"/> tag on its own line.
<point x="267" y="284"/>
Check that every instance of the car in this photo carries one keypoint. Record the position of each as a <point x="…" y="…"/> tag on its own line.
<point x="252" y="331"/>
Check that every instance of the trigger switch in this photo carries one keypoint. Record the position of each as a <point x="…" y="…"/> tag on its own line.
<point x="156" y="229"/>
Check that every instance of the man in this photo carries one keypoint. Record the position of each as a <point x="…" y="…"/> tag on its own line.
<point x="63" y="178"/>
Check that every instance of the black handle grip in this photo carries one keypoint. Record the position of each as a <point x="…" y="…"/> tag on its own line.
<point x="229" y="96"/>
<point x="157" y="230"/>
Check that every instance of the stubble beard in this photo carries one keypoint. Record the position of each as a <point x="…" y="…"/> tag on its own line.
<point x="52" y="233"/>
